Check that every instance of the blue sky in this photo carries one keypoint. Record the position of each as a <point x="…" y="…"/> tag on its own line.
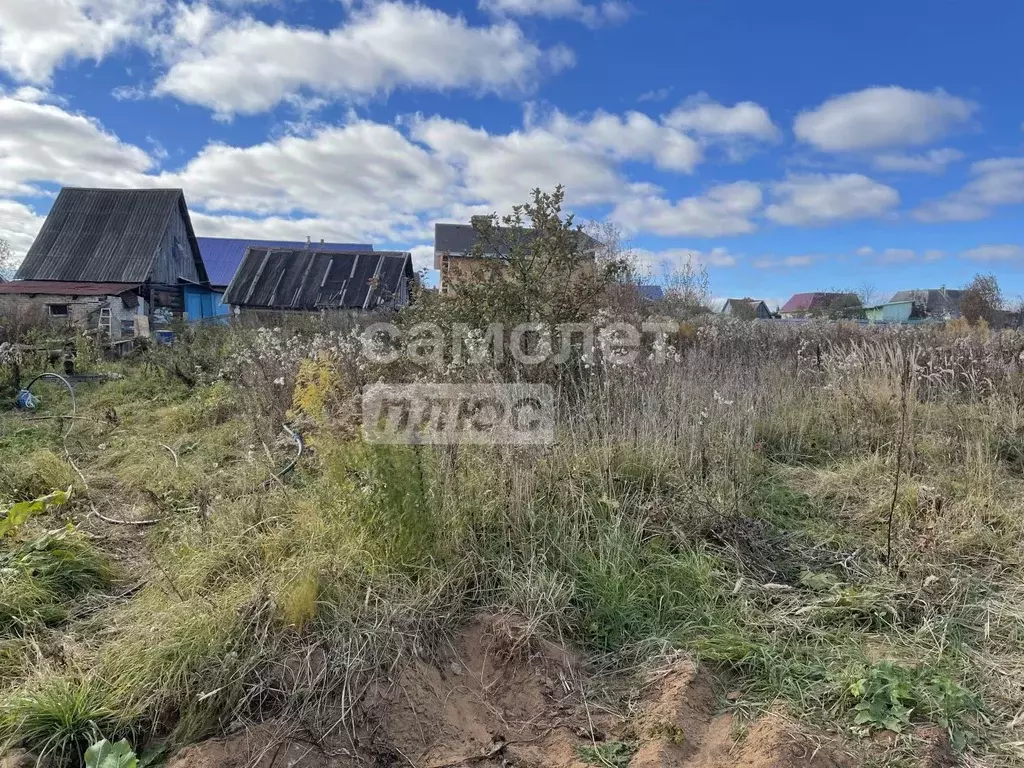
<point x="788" y="146"/>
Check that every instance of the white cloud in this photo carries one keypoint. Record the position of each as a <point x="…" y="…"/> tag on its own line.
<point x="655" y="263"/>
<point x="705" y="117"/>
<point x="593" y="14"/>
<point x="633" y="136"/>
<point x="995" y="182"/>
<point x="19" y="225"/>
<point x="129" y="92"/>
<point x="43" y="143"/>
<point x="389" y="182"/>
<point x="819" y="199"/>
<point x="658" y="94"/>
<point x="896" y="255"/>
<point x="247" y="66"/>
<point x="422" y="257"/>
<point x="503" y="168"/>
<point x="364" y="178"/>
<point x="35" y="95"/>
<point x="723" y="210"/>
<point x="787" y="262"/>
<point x="880" y="117"/>
<point x="995" y="253"/>
<point x="934" y="161"/>
<point x="38" y="36"/>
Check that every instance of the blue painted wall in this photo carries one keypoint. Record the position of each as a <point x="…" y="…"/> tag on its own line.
<point x="202" y="303"/>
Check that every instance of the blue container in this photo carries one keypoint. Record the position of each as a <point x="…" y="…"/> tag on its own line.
<point x="164" y="337"/>
<point x="26" y="400"/>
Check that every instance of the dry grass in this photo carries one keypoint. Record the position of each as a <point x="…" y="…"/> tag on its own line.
<point x="731" y="504"/>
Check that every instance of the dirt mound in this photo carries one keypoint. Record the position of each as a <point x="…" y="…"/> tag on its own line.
<point x="679" y="729"/>
<point x="264" y="747"/>
<point x="506" y="697"/>
<point x="506" y="694"/>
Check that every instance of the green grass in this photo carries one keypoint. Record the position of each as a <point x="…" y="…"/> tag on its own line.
<point x="59" y="717"/>
<point x="41" y="578"/>
<point x="608" y="754"/>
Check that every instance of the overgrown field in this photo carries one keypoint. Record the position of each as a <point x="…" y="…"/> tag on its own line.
<point x="828" y="517"/>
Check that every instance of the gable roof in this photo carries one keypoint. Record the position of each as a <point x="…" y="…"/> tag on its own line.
<point x="809" y="302"/>
<point x="274" y="278"/>
<point x="459" y="239"/>
<point x="223" y="255"/>
<point x="105" y="235"/>
<point x="746" y="300"/>
<point x="935" y="301"/>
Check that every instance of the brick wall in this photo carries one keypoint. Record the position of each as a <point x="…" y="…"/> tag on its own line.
<point x="83" y="311"/>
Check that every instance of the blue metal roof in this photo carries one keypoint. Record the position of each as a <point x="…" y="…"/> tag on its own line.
<point x="223" y="255"/>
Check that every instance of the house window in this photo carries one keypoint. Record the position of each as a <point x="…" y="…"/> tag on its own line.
<point x="57" y="310"/>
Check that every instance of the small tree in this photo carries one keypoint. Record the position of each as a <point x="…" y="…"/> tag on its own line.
<point x="534" y="265"/>
<point x="744" y="310"/>
<point x="7" y="266"/>
<point x="867" y="294"/>
<point x="981" y="300"/>
<point x="687" y="289"/>
<point x="846" y="306"/>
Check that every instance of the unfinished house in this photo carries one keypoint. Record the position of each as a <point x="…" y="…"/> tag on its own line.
<point x="461" y="253"/>
<point x="822" y="304"/>
<point x="117" y="262"/>
<point x="931" y="303"/>
<point x="301" y="280"/>
<point x="747" y="309"/>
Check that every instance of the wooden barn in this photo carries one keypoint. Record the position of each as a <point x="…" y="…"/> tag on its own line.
<point x="116" y="261"/>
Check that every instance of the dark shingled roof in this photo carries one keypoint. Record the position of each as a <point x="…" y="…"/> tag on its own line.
<point x="651" y="292"/>
<point x="105" y="235"/>
<point x="455" y="239"/>
<point x="459" y="239"/>
<point x="311" y="279"/>
<point x="935" y="302"/>
<point x="222" y="255"/>
<point x="810" y="302"/>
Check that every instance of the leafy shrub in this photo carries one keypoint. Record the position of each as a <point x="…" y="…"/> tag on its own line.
<point x="607" y="754"/>
<point x="103" y="754"/>
<point x="889" y="694"/>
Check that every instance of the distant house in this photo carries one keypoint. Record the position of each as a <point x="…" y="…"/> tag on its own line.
<point x="105" y="257"/>
<point x="938" y="303"/>
<point x="223" y="255"/>
<point x="651" y="292"/>
<point x="460" y="254"/>
<point x="747" y="308"/>
<point x="891" y="312"/>
<point x="820" y="304"/>
<point x="311" y="280"/>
